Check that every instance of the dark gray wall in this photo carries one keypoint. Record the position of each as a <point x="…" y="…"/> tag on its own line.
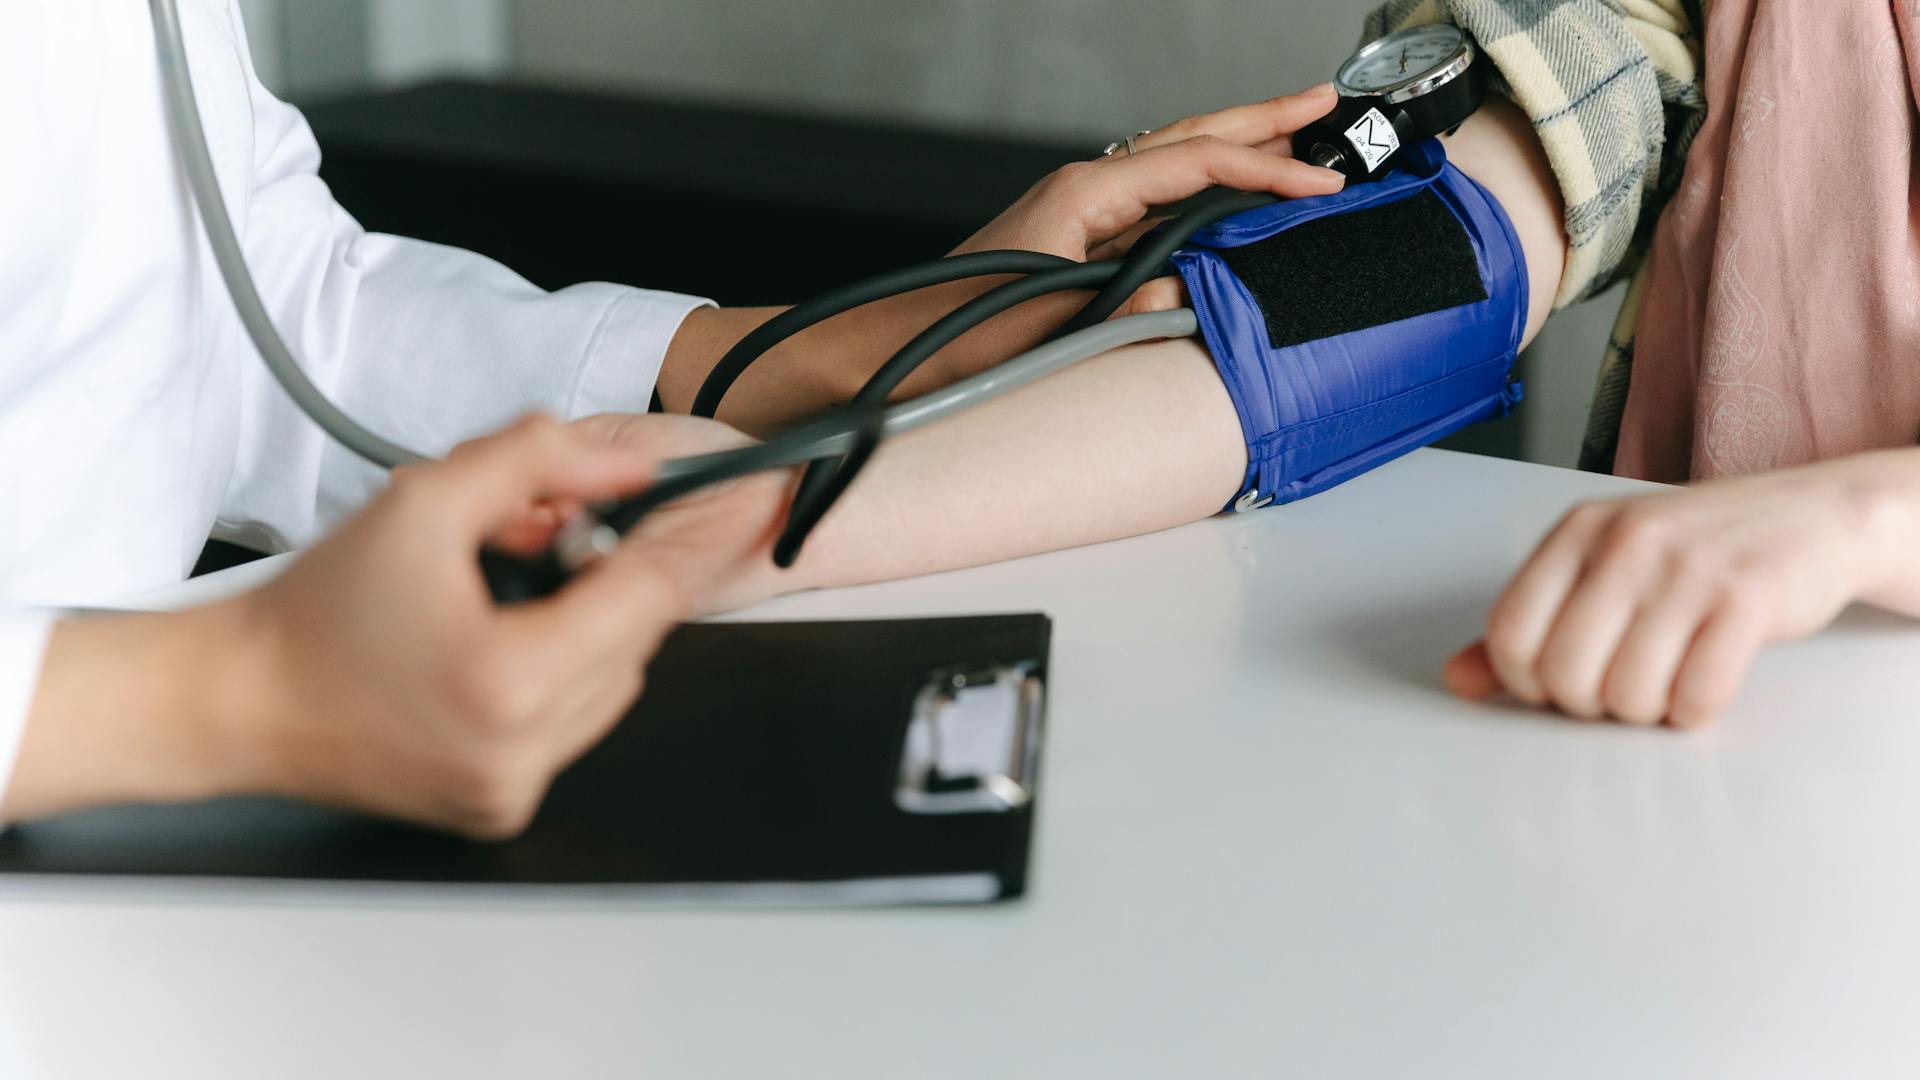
<point x="1078" y="68"/>
<point x="309" y="48"/>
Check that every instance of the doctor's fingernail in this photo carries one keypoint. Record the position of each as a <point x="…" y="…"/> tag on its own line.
<point x="1322" y="90"/>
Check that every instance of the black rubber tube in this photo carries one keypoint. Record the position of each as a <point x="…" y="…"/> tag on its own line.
<point x="824" y="481"/>
<point x="1148" y="259"/>
<point x="837" y="301"/>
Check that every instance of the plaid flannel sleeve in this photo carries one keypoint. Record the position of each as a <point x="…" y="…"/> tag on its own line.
<point x="1613" y="88"/>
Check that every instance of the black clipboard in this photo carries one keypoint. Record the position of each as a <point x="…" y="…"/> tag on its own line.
<point x="861" y="762"/>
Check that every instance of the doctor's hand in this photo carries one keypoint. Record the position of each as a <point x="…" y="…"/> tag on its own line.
<point x="720" y="538"/>
<point x="377" y="673"/>
<point x="402" y="689"/>
<point x="1652" y="609"/>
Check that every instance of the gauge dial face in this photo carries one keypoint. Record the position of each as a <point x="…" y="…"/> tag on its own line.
<point x="1402" y="58"/>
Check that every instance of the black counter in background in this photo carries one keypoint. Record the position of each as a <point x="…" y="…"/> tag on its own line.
<point x="743" y="206"/>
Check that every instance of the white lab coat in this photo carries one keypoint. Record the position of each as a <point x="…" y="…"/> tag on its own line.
<point x="135" y="417"/>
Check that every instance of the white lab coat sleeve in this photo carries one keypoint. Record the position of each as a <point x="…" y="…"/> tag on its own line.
<point x="23" y="642"/>
<point x="424" y="344"/>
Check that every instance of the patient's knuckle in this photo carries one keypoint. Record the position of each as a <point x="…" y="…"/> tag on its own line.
<point x="1569" y="692"/>
<point x="1629" y="702"/>
<point x="1709" y="576"/>
<point x="1698" y="706"/>
<point x="1588" y="515"/>
<point x="1695" y="564"/>
<point x="1506" y="644"/>
<point x="1743" y="597"/>
<point x="1638" y="535"/>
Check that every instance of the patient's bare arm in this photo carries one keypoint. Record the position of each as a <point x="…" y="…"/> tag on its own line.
<point x="1141" y="439"/>
<point x="1498" y="147"/>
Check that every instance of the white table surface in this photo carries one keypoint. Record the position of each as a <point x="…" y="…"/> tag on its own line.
<point x="1269" y="845"/>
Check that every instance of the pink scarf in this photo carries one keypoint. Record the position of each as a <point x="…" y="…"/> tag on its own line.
<point x="1781" y="319"/>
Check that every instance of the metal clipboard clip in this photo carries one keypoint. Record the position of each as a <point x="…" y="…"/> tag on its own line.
<point x="973" y="742"/>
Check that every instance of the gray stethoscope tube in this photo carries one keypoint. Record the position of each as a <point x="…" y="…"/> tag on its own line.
<point x="1023" y="370"/>
<point x="190" y="142"/>
<point x="824" y="439"/>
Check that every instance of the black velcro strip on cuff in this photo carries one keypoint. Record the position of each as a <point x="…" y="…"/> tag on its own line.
<point x="1346" y="272"/>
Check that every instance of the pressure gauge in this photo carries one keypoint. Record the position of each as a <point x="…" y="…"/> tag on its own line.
<point x="1406" y="65"/>
<point x="1407" y="87"/>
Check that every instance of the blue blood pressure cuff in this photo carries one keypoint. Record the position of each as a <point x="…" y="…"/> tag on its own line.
<point x="1354" y="327"/>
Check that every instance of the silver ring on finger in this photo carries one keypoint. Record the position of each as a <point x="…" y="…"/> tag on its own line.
<point x="1129" y="144"/>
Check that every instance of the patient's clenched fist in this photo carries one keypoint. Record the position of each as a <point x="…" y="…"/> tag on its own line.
<point x="1652" y="609"/>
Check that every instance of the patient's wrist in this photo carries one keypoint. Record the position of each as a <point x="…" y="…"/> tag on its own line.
<point x="703" y="338"/>
<point x="827" y="364"/>
<point x="813" y="371"/>
<point x="1885" y="489"/>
